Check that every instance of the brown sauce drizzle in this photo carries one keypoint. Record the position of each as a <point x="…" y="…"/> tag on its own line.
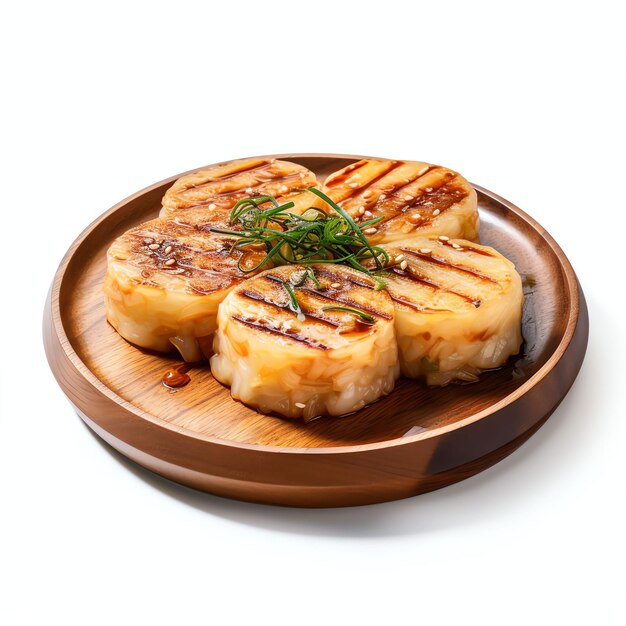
<point x="176" y="377"/>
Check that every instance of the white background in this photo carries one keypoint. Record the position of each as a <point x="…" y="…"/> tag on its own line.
<point x="100" y="101"/>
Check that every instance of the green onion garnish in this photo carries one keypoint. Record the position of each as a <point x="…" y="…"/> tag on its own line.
<point x="313" y="237"/>
<point x="293" y="301"/>
<point x="364" y="316"/>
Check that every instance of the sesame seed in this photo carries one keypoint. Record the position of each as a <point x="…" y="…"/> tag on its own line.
<point x="368" y="214"/>
<point x="414" y="218"/>
<point x="443" y="238"/>
<point x="212" y="206"/>
<point x="353" y="185"/>
<point x="404" y="265"/>
<point x="154" y="246"/>
<point x="335" y="285"/>
<point x="436" y="212"/>
<point x="382" y="196"/>
<point x="399" y="258"/>
<point x="361" y="210"/>
<point x="456" y="246"/>
<point x="300" y="405"/>
<point x="370" y="231"/>
<point x="170" y="262"/>
<point x="408" y="198"/>
<point x="284" y="189"/>
<point x="429" y="189"/>
<point x="367" y="193"/>
<point x="168" y="249"/>
<point x="248" y="189"/>
<point x="425" y="250"/>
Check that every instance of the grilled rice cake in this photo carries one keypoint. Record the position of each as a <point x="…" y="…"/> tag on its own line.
<point x="458" y="308"/>
<point x="222" y="186"/>
<point x="166" y="278"/>
<point x="412" y="197"/>
<point x="322" y="361"/>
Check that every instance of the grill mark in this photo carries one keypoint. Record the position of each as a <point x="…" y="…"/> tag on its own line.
<point x="242" y="190"/>
<point x="345" y="174"/>
<point x="239" y="170"/>
<point x="155" y="263"/>
<point x="348" y="302"/>
<point x="417" y="307"/>
<point x="354" y="281"/>
<point x="477" y="251"/>
<point x="253" y="295"/>
<point x="442" y="183"/>
<point x="395" y="165"/>
<point x="445" y="263"/>
<point x="184" y="250"/>
<point x="276" y="331"/>
<point x="418" y="201"/>
<point x="450" y="199"/>
<point x="276" y="179"/>
<point x="353" y="191"/>
<point x="431" y="168"/>
<point x="413" y="276"/>
<point x="402" y="184"/>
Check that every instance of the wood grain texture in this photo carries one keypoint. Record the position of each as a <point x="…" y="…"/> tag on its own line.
<point x="415" y="440"/>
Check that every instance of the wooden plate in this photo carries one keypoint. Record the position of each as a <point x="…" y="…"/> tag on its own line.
<point x="415" y="440"/>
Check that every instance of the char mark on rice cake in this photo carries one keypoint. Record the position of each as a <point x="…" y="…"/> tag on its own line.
<point x="413" y="198"/>
<point x="222" y="186"/>
<point x="166" y="278"/>
<point x="458" y="307"/>
<point x="331" y="354"/>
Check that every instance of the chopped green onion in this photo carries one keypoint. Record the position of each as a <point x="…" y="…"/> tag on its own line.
<point x="364" y="316"/>
<point x="293" y="301"/>
<point x="314" y="237"/>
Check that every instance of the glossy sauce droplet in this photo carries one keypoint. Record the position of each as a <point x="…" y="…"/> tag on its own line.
<point x="176" y="377"/>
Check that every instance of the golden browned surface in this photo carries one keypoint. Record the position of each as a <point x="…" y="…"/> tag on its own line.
<point x="263" y="303"/>
<point x="412" y="198"/>
<point x="446" y="275"/>
<point x="222" y="186"/>
<point x="183" y="253"/>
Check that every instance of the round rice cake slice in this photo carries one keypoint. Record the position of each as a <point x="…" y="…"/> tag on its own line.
<point x="458" y="308"/>
<point x="332" y="354"/>
<point x="166" y="278"/>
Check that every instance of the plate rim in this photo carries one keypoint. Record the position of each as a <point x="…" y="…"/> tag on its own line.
<point x="574" y="292"/>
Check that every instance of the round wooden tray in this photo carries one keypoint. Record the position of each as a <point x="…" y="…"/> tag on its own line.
<point x="415" y="440"/>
